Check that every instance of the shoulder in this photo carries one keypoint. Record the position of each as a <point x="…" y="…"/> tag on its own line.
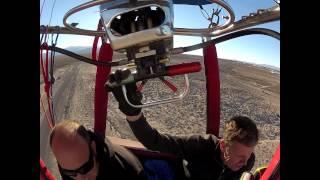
<point x="208" y="139"/>
<point x="199" y="143"/>
<point x="126" y="156"/>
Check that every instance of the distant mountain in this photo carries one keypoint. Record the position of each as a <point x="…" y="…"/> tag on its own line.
<point x="87" y="50"/>
<point x="79" y="49"/>
<point x="270" y="67"/>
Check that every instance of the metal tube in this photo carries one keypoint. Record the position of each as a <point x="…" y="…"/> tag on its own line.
<point x="153" y="103"/>
<point x="267" y="15"/>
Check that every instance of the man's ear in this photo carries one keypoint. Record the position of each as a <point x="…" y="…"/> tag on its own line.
<point x="94" y="147"/>
<point x="224" y="151"/>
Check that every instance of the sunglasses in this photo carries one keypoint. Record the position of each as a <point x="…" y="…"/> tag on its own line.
<point x="84" y="169"/>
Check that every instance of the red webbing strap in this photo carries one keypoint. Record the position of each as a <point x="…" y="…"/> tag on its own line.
<point x="213" y="89"/>
<point x="95" y="42"/>
<point x="101" y="95"/>
<point x="45" y="174"/>
<point x="273" y="166"/>
<point x="45" y="74"/>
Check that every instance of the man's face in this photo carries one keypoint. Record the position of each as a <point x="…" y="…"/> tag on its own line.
<point x="77" y="160"/>
<point x="236" y="155"/>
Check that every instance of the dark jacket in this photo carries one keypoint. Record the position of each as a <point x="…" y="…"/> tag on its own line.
<point x="202" y="152"/>
<point x="115" y="162"/>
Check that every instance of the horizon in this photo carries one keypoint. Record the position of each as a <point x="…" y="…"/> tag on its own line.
<point x="221" y="58"/>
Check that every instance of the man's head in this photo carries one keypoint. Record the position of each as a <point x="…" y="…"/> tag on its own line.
<point x="239" y="139"/>
<point x="74" y="150"/>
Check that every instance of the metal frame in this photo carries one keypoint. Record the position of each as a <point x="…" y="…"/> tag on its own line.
<point x="253" y="19"/>
<point x="153" y="103"/>
<point x="69" y="29"/>
<point x="101" y="33"/>
<point x="262" y="16"/>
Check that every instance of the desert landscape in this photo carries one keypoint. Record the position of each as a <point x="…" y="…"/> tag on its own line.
<point x="246" y="89"/>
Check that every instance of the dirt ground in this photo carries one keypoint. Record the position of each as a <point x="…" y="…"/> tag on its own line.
<point x="245" y="89"/>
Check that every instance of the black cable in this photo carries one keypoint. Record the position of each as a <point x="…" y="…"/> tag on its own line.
<point x="202" y="9"/>
<point x="276" y="2"/>
<point x="52" y="79"/>
<point x="218" y="40"/>
<point x="233" y="35"/>
<point x="53" y="43"/>
<point x="42" y="35"/>
<point x="82" y="58"/>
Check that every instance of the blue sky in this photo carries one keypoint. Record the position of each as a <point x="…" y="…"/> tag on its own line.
<point x="254" y="48"/>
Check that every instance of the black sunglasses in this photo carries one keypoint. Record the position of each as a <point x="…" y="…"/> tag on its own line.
<point x="84" y="169"/>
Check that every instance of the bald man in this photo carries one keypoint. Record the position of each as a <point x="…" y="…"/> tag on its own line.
<point x="82" y="154"/>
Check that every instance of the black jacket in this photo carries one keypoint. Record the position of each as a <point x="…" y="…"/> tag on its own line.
<point x="202" y="152"/>
<point x="115" y="162"/>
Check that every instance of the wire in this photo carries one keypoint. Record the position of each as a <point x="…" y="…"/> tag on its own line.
<point x="85" y="59"/>
<point x="42" y="8"/>
<point x="226" y="37"/>
<point x="51" y="77"/>
<point x="277" y="2"/>
<point x="54" y="3"/>
<point x="210" y="19"/>
<point x="203" y="10"/>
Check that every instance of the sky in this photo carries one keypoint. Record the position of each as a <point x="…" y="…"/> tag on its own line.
<point x="256" y="49"/>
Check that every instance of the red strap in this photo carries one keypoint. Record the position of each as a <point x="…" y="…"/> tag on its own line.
<point x="95" y="42"/>
<point x="101" y="95"/>
<point x="45" y="174"/>
<point x="273" y="165"/>
<point x="213" y="89"/>
<point x="140" y="87"/>
<point x="45" y="74"/>
<point x="169" y="84"/>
